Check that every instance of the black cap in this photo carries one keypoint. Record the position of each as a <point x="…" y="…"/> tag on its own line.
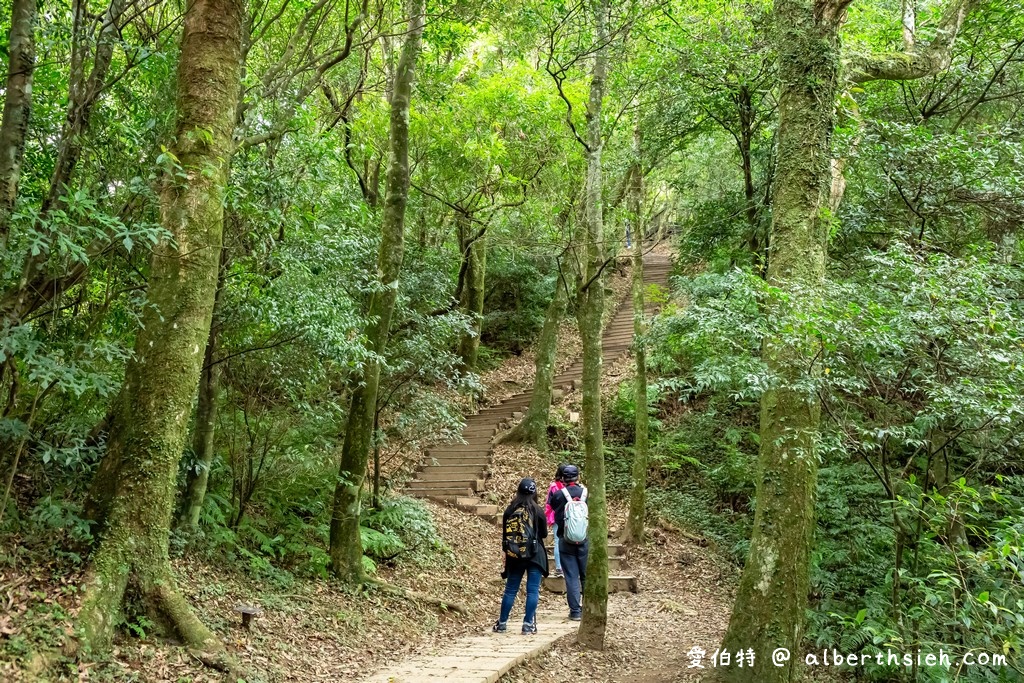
<point x="527" y="485"/>
<point x="570" y="473"/>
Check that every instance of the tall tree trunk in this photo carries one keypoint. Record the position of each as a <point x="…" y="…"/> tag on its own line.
<point x="149" y="432"/>
<point x="21" y="64"/>
<point x="769" y="608"/>
<point x="533" y="428"/>
<point x="474" y="252"/>
<point x="206" y="419"/>
<point x="346" y="549"/>
<point x="638" y="496"/>
<point x="591" y="310"/>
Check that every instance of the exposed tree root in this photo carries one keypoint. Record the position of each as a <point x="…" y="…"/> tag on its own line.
<point x="104" y="597"/>
<point x="440" y="604"/>
<point x="526" y="432"/>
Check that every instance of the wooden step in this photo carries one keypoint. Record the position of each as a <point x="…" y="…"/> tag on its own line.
<point x="616" y="584"/>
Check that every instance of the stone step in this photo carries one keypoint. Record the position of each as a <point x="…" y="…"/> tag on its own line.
<point x="457" y="459"/>
<point x="616" y="584"/>
<point x="473" y="505"/>
<point x="470" y="484"/>
<point x="468" y="469"/>
<point x="442" y="495"/>
<point x="614" y="549"/>
<point x="441" y="474"/>
<point x="435" y="451"/>
<point x="616" y="565"/>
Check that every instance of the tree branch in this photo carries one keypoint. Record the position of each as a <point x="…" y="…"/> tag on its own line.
<point x="933" y="58"/>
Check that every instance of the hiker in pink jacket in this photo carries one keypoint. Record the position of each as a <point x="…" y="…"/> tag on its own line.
<point x="556" y="486"/>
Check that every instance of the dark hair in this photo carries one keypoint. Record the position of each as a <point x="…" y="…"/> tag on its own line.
<point x="527" y="500"/>
<point x="560" y="470"/>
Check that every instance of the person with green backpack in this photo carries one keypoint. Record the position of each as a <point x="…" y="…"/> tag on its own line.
<point x="571" y="518"/>
<point x="524" y="529"/>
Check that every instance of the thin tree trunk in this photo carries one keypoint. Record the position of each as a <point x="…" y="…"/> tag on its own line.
<point x="769" y="609"/>
<point x="17" y="106"/>
<point x="591" y="310"/>
<point x="474" y="251"/>
<point x="206" y="420"/>
<point x="36" y="287"/>
<point x="346" y="548"/>
<point x="533" y="428"/>
<point x="82" y="97"/>
<point x="746" y="113"/>
<point x="909" y="24"/>
<point x="161" y="381"/>
<point x="638" y="496"/>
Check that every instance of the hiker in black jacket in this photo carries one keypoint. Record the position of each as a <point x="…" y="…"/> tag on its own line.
<point x="523" y="530"/>
<point x="573" y="555"/>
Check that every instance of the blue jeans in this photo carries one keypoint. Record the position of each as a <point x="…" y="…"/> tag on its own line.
<point x="554" y="533"/>
<point x="574" y="565"/>
<point x="515" y="577"/>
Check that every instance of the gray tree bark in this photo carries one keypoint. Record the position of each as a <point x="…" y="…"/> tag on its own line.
<point x="21" y="62"/>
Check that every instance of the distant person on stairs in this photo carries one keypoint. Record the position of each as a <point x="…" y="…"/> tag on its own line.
<point x="549" y="512"/>
<point x="523" y="530"/>
<point x="574" y="546"/>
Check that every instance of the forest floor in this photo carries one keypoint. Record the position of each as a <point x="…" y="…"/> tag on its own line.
<point x="313" y="630"/>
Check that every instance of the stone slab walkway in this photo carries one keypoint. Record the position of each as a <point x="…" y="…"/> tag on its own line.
<point x="483" y="657"/>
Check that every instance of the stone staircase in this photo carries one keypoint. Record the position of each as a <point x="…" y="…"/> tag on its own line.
<point x="457" y="473"/>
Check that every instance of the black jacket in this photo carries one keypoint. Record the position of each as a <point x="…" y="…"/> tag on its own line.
<point x="540" y="526"/>
<point x="557" y="502"/>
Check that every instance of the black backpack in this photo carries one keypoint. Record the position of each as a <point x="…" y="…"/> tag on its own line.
<point x="519" y="538"/>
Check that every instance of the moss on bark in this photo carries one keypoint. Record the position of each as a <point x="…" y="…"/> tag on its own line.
<point x="772" y="596"/>
<point x="21" y="62"/>
<point x="533" y="428"/>
<point x="474" y="250"/>
<point x="638" y="492"/>
<point x="346" y="547"/>
<point x="590" y="313"/>
<point x="150" y="428"/>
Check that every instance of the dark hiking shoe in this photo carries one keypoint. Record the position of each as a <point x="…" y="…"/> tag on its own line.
<point x="529" y="629"/>
<point x="575" y="616"/>
<point x="558" y="573"/>
<point x="500" y="626"/>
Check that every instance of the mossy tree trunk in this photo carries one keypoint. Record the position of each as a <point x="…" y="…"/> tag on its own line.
<point x="638" y="494"/>
<point x="346" y="548"/>
<point x="149" y="432"/>
<point x="205" y="429"/>
<point x="473" y="244"/>
<point x="21" y="62"/>
<point x="772" y="596"/>
<point x="533" y="428"/>
<point x="590" y="313"/>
